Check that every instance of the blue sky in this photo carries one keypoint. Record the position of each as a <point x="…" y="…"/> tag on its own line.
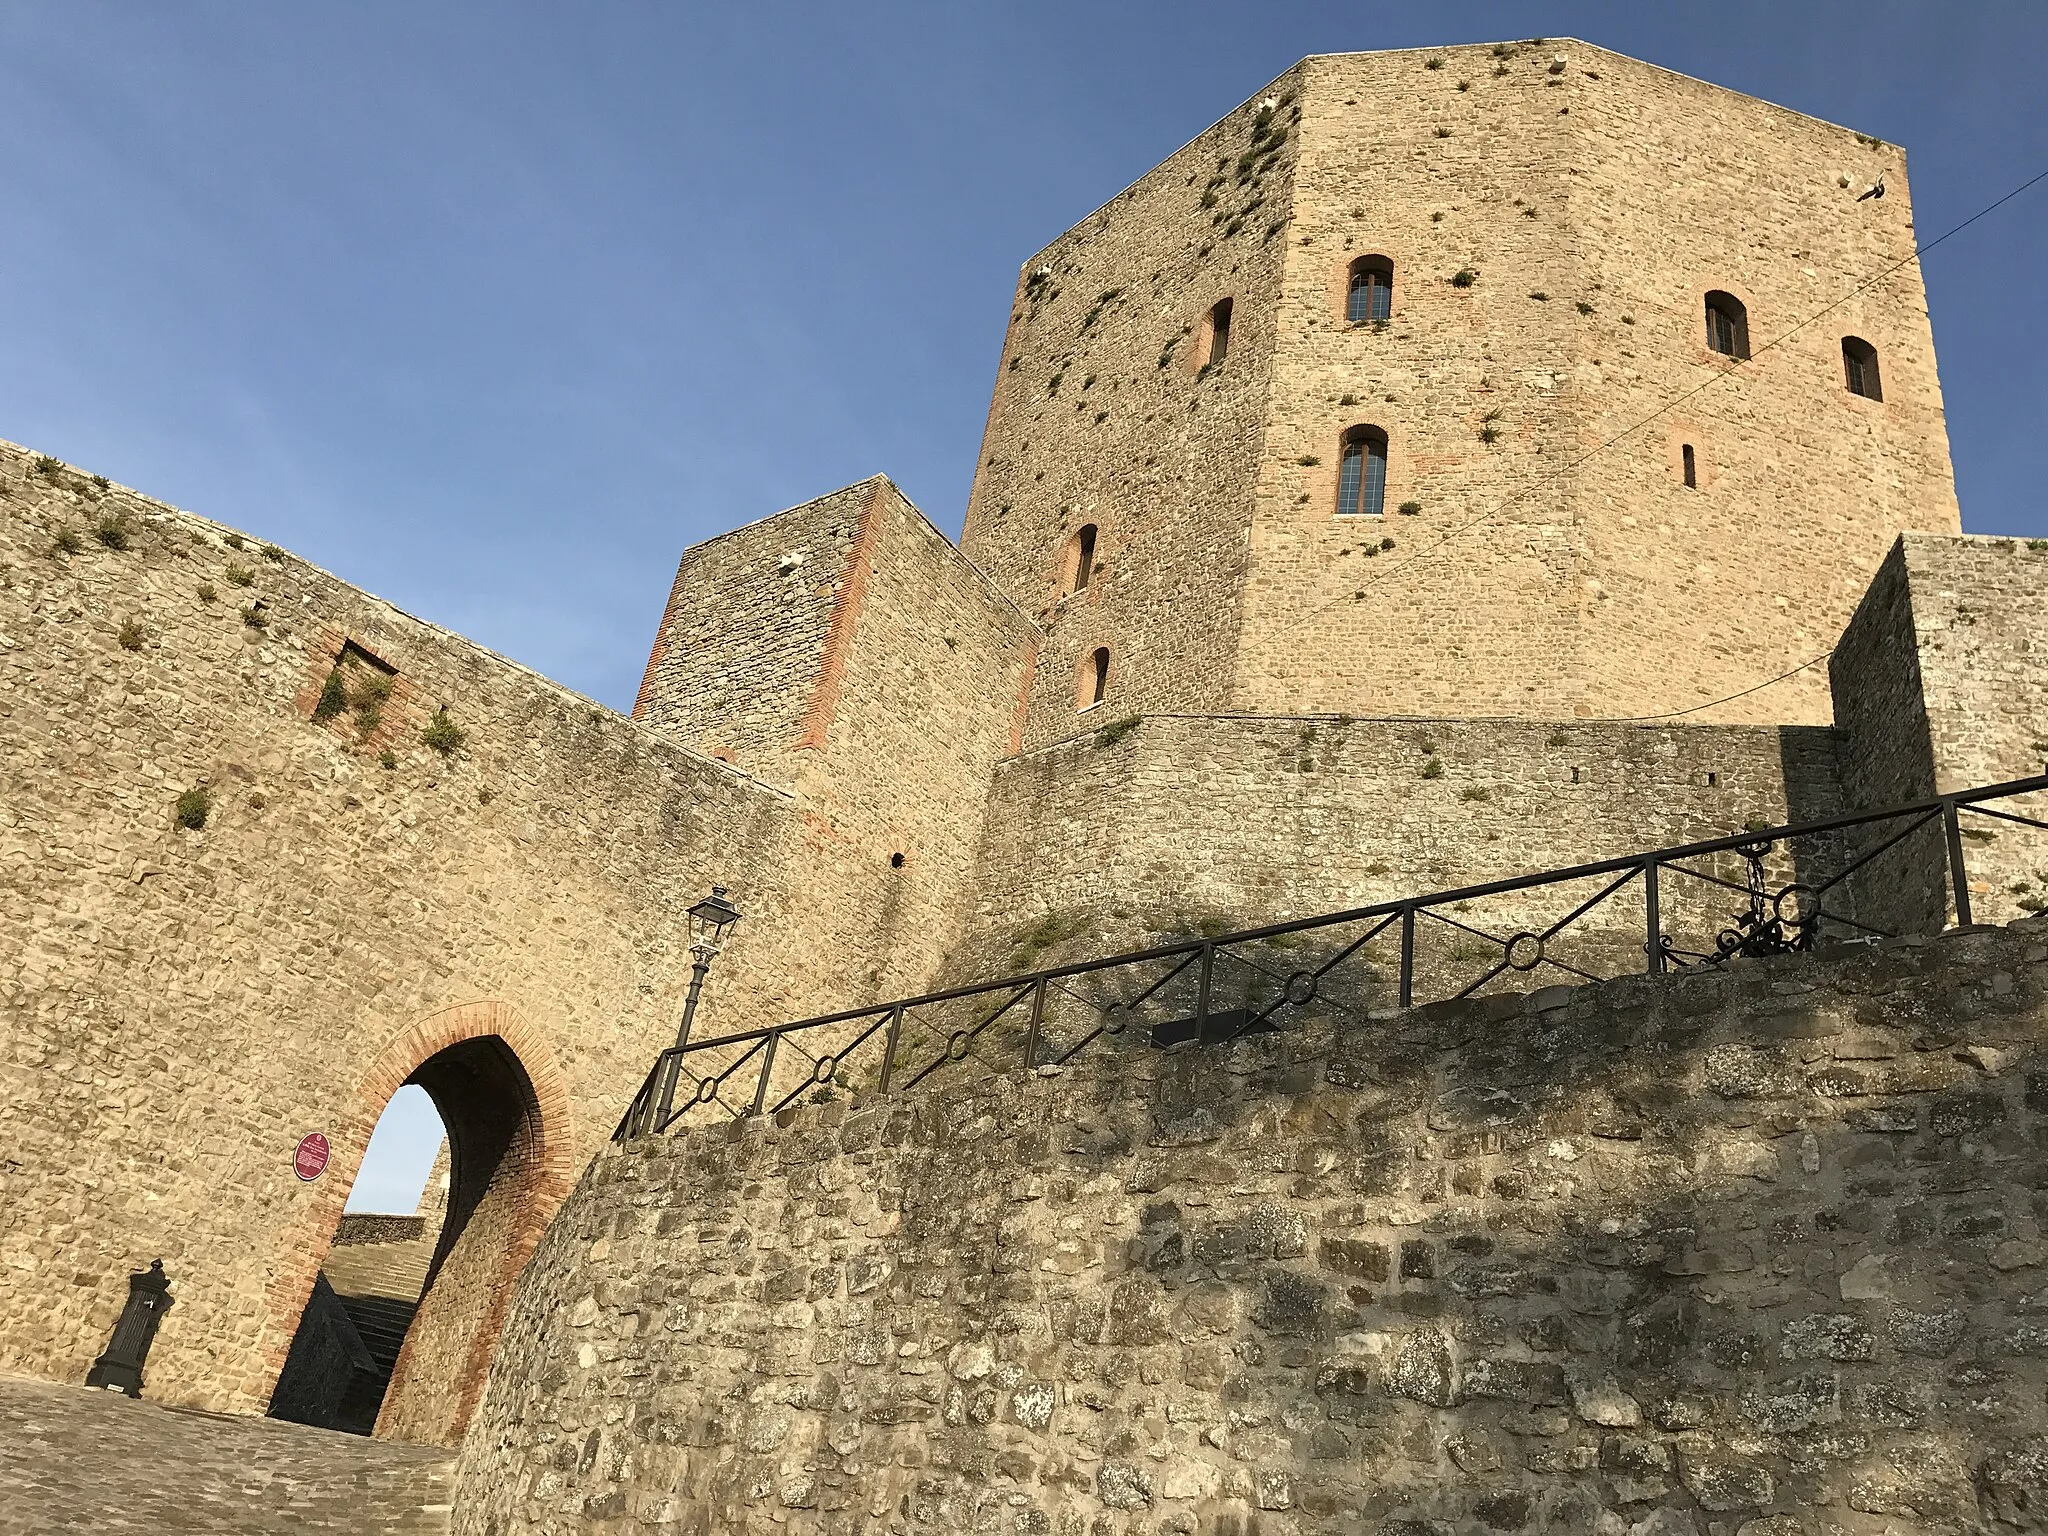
<point x="492" y="308"/>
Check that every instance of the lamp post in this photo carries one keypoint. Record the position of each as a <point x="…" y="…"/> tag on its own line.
<point x="710" y="921"/>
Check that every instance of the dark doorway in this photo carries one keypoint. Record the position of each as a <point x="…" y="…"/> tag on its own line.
<point x="417" y="1298"/>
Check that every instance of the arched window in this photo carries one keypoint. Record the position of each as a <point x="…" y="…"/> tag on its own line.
<point x="1362" y="473"/>
<point x="1093" y="683"/>
<point x="1727" y="325"/>
<point x="1370" y="294"/>
<point x="1859" y="363"/>
<point x="1080" y="557"/>
<point x="1219" y="334"/>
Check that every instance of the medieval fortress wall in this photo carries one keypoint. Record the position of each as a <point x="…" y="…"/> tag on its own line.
<point x="891" y="749"/>
<point x="1713" y="1252"/>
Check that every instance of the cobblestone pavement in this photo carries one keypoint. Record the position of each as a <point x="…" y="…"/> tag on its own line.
<point x="75" y="1460"/>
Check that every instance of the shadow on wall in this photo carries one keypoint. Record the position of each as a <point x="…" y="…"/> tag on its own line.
<point x="1655" y="1257"/>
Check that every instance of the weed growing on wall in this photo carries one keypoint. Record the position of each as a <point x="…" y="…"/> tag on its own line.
<point x="240" y="576"/>
<point x="112" y="531"/>
<point x="206" y="592"/>
<point x="67" y="542"/>
<point x="1433" y="769"/>
<point x="130" y="636"/>
<point x="48" y="467"/>
<point x="333" y="697"/>
<point x="193" y="807"/>
<point x="443" y="734"/>
<point x="233" y="541"/>
<point x="254" y="616"/>
<point x="1114" y="732"/>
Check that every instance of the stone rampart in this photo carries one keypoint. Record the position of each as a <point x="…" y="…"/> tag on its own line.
<point x="183" y="1002"/>
<point x="1724" y="1251"/>
<point x="1168" y="825"/>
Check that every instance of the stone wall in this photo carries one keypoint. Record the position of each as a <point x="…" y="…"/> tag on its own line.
<point x="1171" y="824"/>
<point x="1555" y="215"/>
<point x="1106" y="411"/>
<point x="1595" y="199"/>
<point x="182" y="1004"/>
<point x="1715" y="1252"/>
<point x="1939" y="686"/>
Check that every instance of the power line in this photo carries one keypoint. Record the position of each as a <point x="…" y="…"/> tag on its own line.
<point x="1635" y="426"/>
<point x="1716" y="703"/>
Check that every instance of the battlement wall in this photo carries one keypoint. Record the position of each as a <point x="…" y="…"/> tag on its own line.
<point x="183" y="1004"/>
<point x="1662" y="1254"/>
<point x="1171" y="825"/>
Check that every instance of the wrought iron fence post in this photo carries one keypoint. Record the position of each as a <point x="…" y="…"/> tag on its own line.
<point x="1202" y="989"/>
<point x="889" y="1046"/>
<point x="1654" y="917"/>
<point x="1407" y="957"/>
<point x="1037" y="1019"/>
<point x="668" y="1067"/>
<point x="1958" y="872"/>
<point x="767" y="1066"/>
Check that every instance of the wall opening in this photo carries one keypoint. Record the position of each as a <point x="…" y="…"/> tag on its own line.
<point x="1362" y="473"/>
<point x="1093" y="684"/>
<point x="1692" y="473"/>
<point x="366" y="1357"/>
<point x="1859" y="364"/>
<point x="1218" y="330"/>
<point x="1369" y="290"/>
<point x="1727" y="325"/>
<point x="1080" y="559"/>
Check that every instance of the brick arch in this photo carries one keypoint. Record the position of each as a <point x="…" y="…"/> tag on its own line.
<point x="437" y="1383"/>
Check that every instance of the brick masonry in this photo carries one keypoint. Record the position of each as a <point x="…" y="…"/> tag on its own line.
<point x="1722" y="1251"/>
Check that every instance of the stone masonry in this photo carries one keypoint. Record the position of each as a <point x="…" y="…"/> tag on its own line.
<point x="1659" y="1258"/>
<point x="1554" y="216"/>
<point x="1723" y="1251"/>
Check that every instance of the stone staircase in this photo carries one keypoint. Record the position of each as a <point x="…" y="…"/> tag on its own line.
<point x="378" y="1268"/>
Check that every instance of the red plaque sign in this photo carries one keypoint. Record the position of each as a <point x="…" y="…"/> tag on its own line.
<point x="310" y="1160"/>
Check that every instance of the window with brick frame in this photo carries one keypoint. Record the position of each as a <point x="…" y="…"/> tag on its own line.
<point x="1727" y="325"/>
<point x="1092" y="686"/>
<point x="1362" y="473"/>
<point x="1859" y="368"/>
<point x="1217" y="332"/>
<point x="1369" y="290"/>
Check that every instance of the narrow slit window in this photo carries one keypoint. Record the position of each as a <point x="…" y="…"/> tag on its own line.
<point x="1370" y="295"/>
<point x="1094" y="678"/>
<point x="1082" y="558"/>
<point x="1362" y="473"/>
<point x="1219" y="333"/>
<point x="1859" y="363"/>
<point x="1727" y="325"/>
<point x="1692" y="473"/>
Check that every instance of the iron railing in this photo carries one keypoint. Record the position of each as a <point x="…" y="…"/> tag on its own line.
<point x="1869" y="876"/>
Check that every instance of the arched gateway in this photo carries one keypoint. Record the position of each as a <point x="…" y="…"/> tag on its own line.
<point x="495" y="1083"/>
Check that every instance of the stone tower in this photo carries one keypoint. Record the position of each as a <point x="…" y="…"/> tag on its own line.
<point x="1553" y="540"/>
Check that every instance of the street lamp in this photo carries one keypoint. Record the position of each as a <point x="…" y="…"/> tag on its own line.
<point x="710" y="921"/>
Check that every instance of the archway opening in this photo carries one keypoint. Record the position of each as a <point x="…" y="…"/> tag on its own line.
<point x="368" y="1358"/>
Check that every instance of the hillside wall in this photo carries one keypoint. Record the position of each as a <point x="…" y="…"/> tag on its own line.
<point x="1720" y="1251"/>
